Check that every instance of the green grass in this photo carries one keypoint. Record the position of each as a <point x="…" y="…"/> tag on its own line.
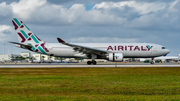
<point x="90" y="84"/>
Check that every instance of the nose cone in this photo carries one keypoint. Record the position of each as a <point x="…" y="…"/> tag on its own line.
<point x="167" y="51"/>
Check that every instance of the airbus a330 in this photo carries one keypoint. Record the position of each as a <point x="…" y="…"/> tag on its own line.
<point x="110" y="51"/>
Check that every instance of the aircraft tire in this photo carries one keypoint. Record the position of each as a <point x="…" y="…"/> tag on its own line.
<point x="152" y="62"/>
<point x="94" y="62"/>
<point x="89" y="63"/>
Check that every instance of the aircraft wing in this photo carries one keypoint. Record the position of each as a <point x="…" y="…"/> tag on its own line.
<point x="84" y="49"/>
<point x="23" y="45"/>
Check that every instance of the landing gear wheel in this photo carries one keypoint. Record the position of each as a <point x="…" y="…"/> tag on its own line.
<point x="152" y="62"/>
<point x="89" y="62"/>
<point x="94" y="62"/>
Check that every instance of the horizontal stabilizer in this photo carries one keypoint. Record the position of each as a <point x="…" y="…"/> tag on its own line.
<point x="22" y="45"/>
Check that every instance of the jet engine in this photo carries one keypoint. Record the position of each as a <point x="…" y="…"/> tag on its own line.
<point x="116" y="57"/>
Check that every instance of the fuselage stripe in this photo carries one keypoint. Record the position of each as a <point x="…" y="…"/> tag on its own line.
<point x="39" y="47"/>
<point x="149" y="46"/>
<point x="34" y="38"/>
<point x="26" y="27"/>
<point x="25" y="35"/>
<point x="33" y="48"/>
<point x="17" y="22"/>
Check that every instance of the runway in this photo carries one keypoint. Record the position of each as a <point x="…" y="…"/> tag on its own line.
<point x="72" y="65"/>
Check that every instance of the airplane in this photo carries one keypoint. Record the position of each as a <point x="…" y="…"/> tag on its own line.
<point x="110" y="51"/>
<point x="163" y="58"/>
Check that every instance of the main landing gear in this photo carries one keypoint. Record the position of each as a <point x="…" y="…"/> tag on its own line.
<point x="92" y="62"/>
<point x="93" y="57"/>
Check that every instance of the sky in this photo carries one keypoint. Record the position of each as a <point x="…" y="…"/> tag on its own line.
<point x="94" y="21"/>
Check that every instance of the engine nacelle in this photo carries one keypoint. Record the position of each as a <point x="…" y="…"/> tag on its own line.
<point x="116" y="57"/>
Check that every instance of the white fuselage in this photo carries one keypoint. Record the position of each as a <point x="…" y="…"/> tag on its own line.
<point x="129" y="50"/>
<point x="111" y="51"/>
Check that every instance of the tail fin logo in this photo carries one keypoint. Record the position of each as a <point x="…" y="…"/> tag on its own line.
<point x="149" y="47"/>
<point x="27" y="37"/>
<point x="18" y="24"/>
<point x="24" y="32"/>
<point x="39" y="48"/>
<point x="116" y="57"/>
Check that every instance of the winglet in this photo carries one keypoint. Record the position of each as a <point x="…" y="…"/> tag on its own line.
<point x="60" y="40"/>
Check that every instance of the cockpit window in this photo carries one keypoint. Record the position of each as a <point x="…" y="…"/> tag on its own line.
<point x="163" y="47"/>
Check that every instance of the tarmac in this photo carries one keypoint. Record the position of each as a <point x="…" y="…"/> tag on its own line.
<point x="80" y="65"/>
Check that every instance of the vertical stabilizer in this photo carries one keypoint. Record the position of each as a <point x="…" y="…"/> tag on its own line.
<point x="23" y="32"/>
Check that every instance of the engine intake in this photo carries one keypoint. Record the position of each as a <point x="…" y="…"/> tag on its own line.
<point x="116" y="57"/>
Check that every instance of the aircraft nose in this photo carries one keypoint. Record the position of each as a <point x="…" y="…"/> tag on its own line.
<point x="168" y="51"/>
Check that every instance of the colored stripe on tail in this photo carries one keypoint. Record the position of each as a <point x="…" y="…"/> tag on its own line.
<point x="24" y="33"/>
<point x="27" y="39"/>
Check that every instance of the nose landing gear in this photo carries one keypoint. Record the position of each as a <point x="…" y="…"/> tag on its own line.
<point x="152" y="62"/>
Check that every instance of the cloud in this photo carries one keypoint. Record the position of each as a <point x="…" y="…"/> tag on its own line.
<point x="141" y="7"/>
<point x="145" y="15"/>
<point x="5" y="10"/>
<point x="43" y="12"/>
<point x="124" y="13"/>
<point x="173" y="6"/>
<point x="6" y="33"/>
<point x="155" y="21"/>
<point x="25" y="8"/>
